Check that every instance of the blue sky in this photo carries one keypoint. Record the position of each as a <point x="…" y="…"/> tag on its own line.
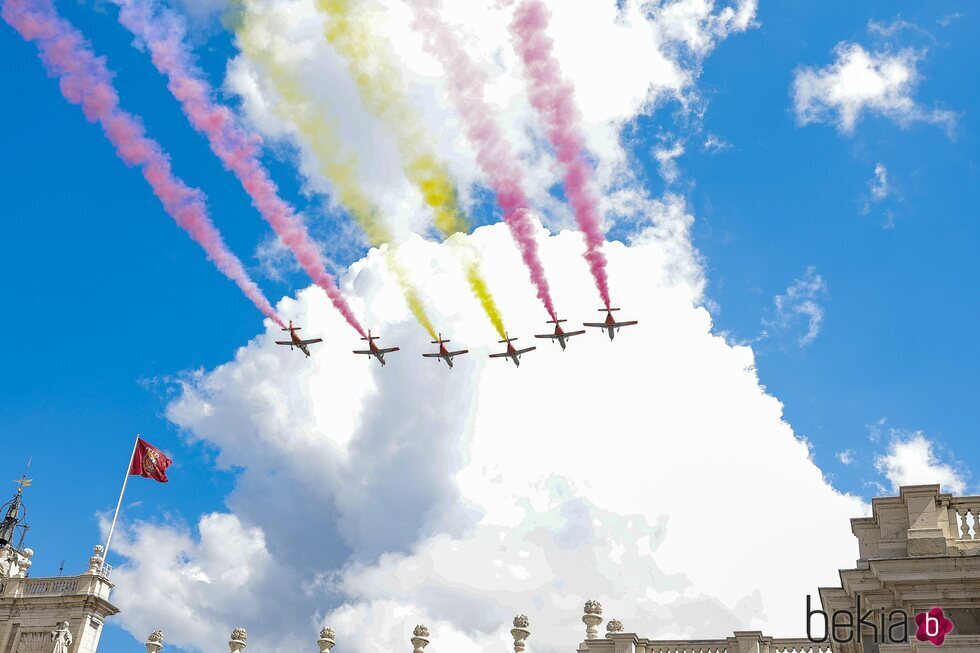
<point x="108" y="302"/>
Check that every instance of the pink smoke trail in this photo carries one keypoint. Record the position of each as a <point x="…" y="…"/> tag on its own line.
<point x="85" y="80"/>
<point x="554" y="100"/>
<point x="164" y="34"/>
<point x="494" y="154"/>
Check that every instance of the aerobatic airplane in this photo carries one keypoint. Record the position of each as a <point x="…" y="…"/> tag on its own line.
<point x="511" y="353"/>
<point x="560" y="335"/>
<point x="294" y="340"/>
<point x="610" y="324"/>
<point x="374" y="350"/>
<point x="444" y="353"/>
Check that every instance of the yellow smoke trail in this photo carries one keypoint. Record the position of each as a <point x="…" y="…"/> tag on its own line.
<point x="380" y="84"/>
<point x="338" y="168"/>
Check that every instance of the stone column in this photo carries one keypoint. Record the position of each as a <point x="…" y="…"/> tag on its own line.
<point x="237" y="641"/>
<point x="520" y="632"/>
<point x="420" y="639"/>
<point x="592" y="618"/>
<point x="154" y="642"/>
<point x="327" y="640"/>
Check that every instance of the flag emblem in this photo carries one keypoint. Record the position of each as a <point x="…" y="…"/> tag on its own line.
<point x="149" y="462"/>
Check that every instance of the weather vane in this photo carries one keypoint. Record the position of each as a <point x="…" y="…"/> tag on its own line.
<point x="23" y="481"/>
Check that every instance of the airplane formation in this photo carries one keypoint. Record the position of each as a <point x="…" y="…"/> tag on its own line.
<point x="610" y="325"/>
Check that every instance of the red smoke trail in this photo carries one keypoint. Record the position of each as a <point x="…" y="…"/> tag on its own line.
<point x="84" y="80"/>
<point x="467" y="82"/>
<point x="164" y="34"/>
<point x="554" y="100"/>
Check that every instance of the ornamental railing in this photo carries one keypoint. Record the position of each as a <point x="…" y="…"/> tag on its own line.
<point x="963" y="515"/>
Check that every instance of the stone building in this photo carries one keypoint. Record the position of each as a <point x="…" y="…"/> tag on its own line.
<point x="918" y="551"/>
<point x="47" y="615"/>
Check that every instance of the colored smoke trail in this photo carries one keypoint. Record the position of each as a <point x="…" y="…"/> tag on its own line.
<point x="338" y="167"/>
<point x="85" y="80"/>
<point x="412" y="298"/>
<point x="164" y="34"/>
<point x="554" y="100"/>
<point x="467" y="83"/>
<point x="379" y="82"/>
<point x="479" y="287"/>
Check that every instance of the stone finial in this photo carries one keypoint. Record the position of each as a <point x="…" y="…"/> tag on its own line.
<point x="237" y="642"/>
<point x="520" y="632"/>
<point x="614" y="626"/>
<point x="592" y="618"/>
<point x="154" y="642"/>
<point x="420" y="639"/>
<point x="95" y="562"/>
<point x="24" y="562"/>
<point x="327" y="640"/>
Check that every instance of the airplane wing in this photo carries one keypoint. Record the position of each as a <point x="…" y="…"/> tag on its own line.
<point x="312" y="341"/>
<point x="387" y="351"/>
<point x="459" y="353"/>
<point x="431" y="355"/>
<point x="622" y="324"/>
<point x="595" y="324"/>
<point x="365" y="352"/>
<point x="524" y="351"/>
<point x="552" y="336"/>
<point x="284" y="342"/>
<point x="574" y="333"/>
<point x="503" y="355"/>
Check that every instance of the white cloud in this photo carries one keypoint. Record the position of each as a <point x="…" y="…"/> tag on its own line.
<point x="880" y="188"/>
<point x="846" y="457"/>
<point x="372" y="499"/>
<point x="714" y="144"/>
<point x="911" y="460"/>
<point x="889" y="30"/>
<point x="666" y="156"/>
<point x="859" y="82"/>
<point x="801" y="300"/>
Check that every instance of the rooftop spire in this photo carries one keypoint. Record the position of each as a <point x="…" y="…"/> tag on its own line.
<point x="16" y="511"/>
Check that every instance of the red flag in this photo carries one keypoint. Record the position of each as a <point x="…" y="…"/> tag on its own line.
<point x="149" y="462"/>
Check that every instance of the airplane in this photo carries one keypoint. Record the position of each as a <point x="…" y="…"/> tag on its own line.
<point x="444" y="353"/>
<point x="560" y="335"/>
<point x="513" y="354"/>
<point x="610" y="324"/>
<point x="374" y="350"/>
<point x="294" y="340"/>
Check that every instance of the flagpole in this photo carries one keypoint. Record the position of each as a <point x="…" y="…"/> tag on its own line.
<point x="129" y="464"/>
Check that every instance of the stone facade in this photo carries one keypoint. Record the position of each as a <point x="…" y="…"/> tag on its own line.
<point x="52" y="615"/>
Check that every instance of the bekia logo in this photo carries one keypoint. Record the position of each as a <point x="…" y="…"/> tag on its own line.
<point x="932" y="626"/>
<point x="879" y="626"/>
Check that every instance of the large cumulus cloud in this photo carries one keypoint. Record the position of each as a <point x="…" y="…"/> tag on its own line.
<point x="653" y="473"/>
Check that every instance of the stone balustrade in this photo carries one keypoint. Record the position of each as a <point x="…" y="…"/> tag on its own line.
<point x="963" y="518"/>
<point x="49" y="586"/>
